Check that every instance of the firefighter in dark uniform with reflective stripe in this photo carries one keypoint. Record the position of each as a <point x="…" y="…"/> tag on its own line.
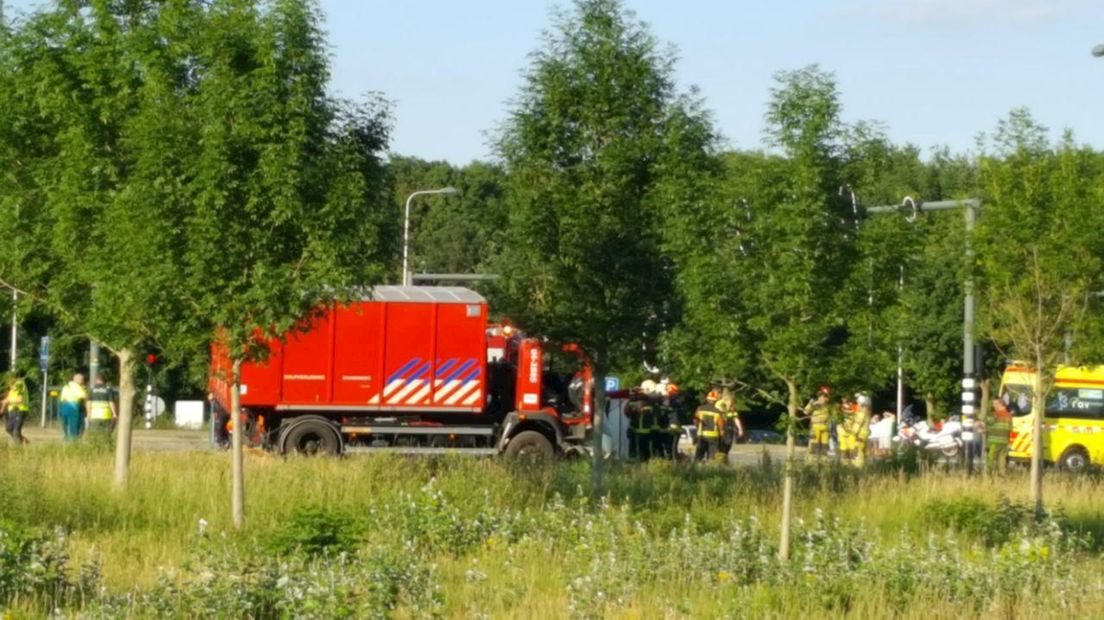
<point x="710" y="423"/>
<point x="658" y="435"/>
<point x="733" y="428"/>
<point x="641" y="419"/>
<point x="673" y="424"/>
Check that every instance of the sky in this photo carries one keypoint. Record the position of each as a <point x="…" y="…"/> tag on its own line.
<point x="933" y="72"/>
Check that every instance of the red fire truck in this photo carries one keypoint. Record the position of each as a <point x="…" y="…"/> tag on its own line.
<point x="412" y="369"/>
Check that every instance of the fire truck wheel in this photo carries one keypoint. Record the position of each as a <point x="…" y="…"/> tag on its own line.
<point x="311" y="438"/>
<point x="529" y="446"/>
<point x="1074" y="459"/>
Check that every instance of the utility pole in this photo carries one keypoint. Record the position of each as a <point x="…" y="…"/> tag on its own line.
<point x="910" y="209"/>
<point x="14" y="329"/>
<point x="93" y="362"/>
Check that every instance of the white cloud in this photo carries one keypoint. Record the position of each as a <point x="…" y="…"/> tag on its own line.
<point x="971" y="12"/>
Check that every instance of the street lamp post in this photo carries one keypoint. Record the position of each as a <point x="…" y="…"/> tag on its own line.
<point x="910" y="209"/>
<point x="406" y="227"/>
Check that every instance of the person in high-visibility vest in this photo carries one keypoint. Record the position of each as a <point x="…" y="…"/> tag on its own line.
<point x="74" y="399"/>
<point x="710" y="423"/>
<point x="843" y="430"/>
<point x="820" y="416"/>
<point x="101" y="406"/>
<point x="997" y="432"/>
<point x="860" y="428"/>
<point x="733" y="427"/>
<point x="14" y="408"/>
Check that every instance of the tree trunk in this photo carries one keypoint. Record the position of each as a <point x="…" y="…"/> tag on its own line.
<point x="597" y="420"/>
<point x="787" y="484"/>
<point x="1038" y="410"/>
<point x="981" y="428"/>
<point x="125" y="421"/>
<point x="237" y="491"/>
<point x="985" y="407"/>
<point x="930" y="406"/>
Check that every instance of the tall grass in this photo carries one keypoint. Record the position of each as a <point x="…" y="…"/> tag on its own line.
<point x="483" y="538"/>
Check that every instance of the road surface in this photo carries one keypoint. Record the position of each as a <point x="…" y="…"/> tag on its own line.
<point x="143" y="440"/>
<point x="188" y="440"/>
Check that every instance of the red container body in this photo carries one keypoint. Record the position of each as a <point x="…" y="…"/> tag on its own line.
<point x="406" y="350"/>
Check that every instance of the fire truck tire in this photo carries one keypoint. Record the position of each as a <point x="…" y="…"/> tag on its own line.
<point x="312" y="438"/>
<point x="529" y="446"/>
<point x="1074" y="459"/>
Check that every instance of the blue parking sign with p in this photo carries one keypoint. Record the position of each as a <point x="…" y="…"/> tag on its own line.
<point x="613" y="384"/>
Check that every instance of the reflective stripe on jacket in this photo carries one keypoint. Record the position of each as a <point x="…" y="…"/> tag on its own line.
<point x="710" y="422"/>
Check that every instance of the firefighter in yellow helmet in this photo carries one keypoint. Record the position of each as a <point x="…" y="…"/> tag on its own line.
<point x="860" y="428"/>
<point x="710" y="422"/>
<point x="820" y="416"/>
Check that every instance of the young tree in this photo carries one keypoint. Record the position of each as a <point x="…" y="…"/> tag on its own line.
<point x="584" y="149"/>
<point x="287" y="190"/>
<point x="1039" y="253"/>
<point x="796" y="290"/>
<point x="99" y="134"/>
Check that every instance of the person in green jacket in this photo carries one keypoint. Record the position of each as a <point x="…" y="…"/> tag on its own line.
<point x="997" y="432"/>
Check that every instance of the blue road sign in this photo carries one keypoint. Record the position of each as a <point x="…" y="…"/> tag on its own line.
<point x="613" y="384"/>
<point x="44" y="353"/>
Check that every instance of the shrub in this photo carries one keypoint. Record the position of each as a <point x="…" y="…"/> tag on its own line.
<point x="314" y="530"/>
<point x="994" y="524"/>
<point x="34" y="571"/>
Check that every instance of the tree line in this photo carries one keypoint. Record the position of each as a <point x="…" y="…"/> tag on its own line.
<point x="174" y="167"/>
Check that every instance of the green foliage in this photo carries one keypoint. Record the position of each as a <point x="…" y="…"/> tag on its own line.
<point x="994" y="523"/>
<point x="796" y="293"/>
<point x="177" y="165"/>
<point x="34" y="571"/>
<point x="591" y="151"/>
<point x="477" y="537"/>
<point x="314" y="531"/>
<point x="222" y="583"/>
<point x="454" y="234"/>
<point x="1039" y="259"/>
<point x="286" y="203"/>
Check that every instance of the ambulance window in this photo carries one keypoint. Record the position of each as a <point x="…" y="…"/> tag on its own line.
<point x="1084" y="403"/>
<point x="1018" y="399"/>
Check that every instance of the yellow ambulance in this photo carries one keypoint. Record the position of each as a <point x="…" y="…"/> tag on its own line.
<point x="1073" y="426"/>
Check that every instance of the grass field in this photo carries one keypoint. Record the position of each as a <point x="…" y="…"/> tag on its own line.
<point x="462" y="537"/>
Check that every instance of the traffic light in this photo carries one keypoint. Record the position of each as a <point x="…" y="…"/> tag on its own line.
<point x="151" y="360"/>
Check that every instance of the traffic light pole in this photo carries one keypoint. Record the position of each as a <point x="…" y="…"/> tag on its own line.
<point x="910" y="209"/>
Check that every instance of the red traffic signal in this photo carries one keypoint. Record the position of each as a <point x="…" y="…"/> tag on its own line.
<point x="151" y="359"/>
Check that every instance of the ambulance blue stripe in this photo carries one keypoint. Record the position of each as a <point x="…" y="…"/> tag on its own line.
<point x="402" y="371"/>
